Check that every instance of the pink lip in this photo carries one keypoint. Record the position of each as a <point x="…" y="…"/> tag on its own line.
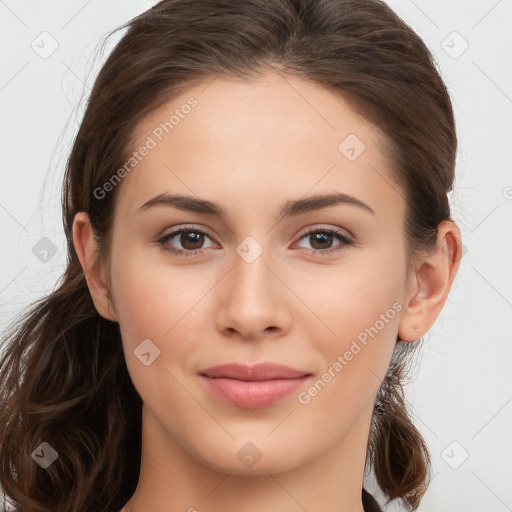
<point x="255" y="386"/>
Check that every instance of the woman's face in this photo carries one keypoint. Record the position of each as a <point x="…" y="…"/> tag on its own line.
<point x="256" y="286"/>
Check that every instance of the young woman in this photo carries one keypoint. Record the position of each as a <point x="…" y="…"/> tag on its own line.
<point x="259" y="235"/>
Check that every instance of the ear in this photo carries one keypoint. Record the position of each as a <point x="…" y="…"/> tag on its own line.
<point x="430" y="283"/>
<point x="86" y="248"/>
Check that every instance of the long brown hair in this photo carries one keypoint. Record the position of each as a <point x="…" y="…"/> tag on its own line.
<point x="63" y="377"/>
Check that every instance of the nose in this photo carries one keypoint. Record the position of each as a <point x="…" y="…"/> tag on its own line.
<point x="253" y="300"/>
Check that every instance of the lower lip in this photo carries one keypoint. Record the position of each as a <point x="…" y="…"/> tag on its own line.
<point x="252" y="394"/>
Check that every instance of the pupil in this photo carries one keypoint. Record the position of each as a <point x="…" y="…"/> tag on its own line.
<point x="192" y="238"/>
<point x="321" y="237"/>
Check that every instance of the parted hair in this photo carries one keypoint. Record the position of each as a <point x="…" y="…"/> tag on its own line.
<point x="63" y="376"/>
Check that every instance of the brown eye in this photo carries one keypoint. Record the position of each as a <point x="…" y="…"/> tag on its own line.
<point x="321" y="240"/>
<point x="191" y="241"/>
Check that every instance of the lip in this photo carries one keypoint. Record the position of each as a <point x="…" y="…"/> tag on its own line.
<point x="260" y="371"/>
<point x="253" y="387"/>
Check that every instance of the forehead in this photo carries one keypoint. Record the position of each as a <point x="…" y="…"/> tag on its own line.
<point x="251" y="139"/>
<point x="260" y="105"/>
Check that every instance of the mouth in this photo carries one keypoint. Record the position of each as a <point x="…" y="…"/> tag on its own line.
<point x="253" y="387"/>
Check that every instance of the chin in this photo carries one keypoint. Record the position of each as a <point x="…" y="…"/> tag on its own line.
<point x="251" y="458"/>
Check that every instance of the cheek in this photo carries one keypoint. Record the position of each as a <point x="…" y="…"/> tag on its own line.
<point x="150" y="296"/>
<point x="160" y="303"/>
<point x="155" y="303"/>
<point x="360" y="310"/>
<point x="139" y="302"/>
<point x="354" y="296"/>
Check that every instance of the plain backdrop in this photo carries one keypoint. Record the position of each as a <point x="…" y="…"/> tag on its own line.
<point x="461" y="393"/>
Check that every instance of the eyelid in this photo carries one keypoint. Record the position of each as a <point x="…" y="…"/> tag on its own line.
<point x="184" y="227"/>
<point x="327" y="227"/>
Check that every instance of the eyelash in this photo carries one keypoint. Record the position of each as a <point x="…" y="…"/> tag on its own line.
<point x="190" y="253"/>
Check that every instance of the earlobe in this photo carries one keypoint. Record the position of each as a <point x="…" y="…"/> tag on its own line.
<point x="430" y="283"/>
<point x="87" y="251"/>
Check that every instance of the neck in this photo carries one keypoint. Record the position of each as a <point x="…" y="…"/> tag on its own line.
<point x="172" y="479"/>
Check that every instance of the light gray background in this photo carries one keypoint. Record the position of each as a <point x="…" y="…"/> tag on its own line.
<point x="461" y="394"/>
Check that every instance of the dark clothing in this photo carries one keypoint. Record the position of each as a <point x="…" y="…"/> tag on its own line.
<point x="369" y="502"/>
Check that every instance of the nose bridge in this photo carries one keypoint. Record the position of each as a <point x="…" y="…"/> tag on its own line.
<point x="253" y="298"/>
<point x="252" y="281"/>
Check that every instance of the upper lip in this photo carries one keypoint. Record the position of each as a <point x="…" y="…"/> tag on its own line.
<point x="260" y="371"/>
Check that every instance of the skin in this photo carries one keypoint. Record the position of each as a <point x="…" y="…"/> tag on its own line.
<point x="215" y="308"/>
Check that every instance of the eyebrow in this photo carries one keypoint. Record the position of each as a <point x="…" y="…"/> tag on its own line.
<point x="290" y="208"/>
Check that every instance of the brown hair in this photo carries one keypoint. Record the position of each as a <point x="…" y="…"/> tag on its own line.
<point x="63" y="377"/>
